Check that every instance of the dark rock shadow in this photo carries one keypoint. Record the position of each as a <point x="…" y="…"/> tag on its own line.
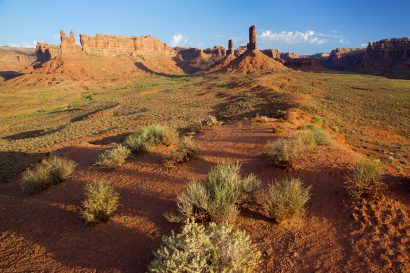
<point x="8" y="75"/>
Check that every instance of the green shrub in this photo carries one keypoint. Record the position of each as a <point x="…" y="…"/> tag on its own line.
<point x="316" y="119"/>
<point x="184" y="152"/>
<point x="114" y="157"/>
<point x="321" y="136"/>
<point x="212" y="121"/>
<point x="206" y="249"/>
<point x="148" y="136"/>
<point x="47" y="172"/>
<point x="100" y="203"/>
<point x="283" y="152"/>
<point x="218" y="198"/>
<point x="365" y="180"/>
<point x="285" y="199"/>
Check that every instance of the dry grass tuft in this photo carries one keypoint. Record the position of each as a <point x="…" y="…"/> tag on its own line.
<point x="47" y="172"/>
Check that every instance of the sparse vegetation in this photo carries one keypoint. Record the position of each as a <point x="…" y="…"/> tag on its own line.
<point x="217" y="199"/>
<point x="212" y="121"/>
<point x="184" y="152"/>
<point x="114" y="157"/>
<point x="260" y="119"/>
<point x="279" y="129"/>
<point x="283" y="152"/>
<point x="100" y="203"/>
<point x="285" y="199"/>
<point x="148" y="136"/>
<point x="316" y="119"/>
<point x="320" y="136"/>
<point x="366" y="179"/>
<point x="49" y="171"/>
<point x="206" y="249"/>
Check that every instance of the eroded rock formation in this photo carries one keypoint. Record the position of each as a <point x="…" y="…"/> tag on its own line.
<point x="273" y="53"/>
<point x="252" y="38"/>
<point x="230" y="47"/>
<point x="195" y="59"/>
<point x="240" y="50"/>
<point x="346" y="58"/>
<point x="388" y="55"/>
<point x="68" y="44"/>
<point x="46" y="52"/>
<point x="110" y="45"/>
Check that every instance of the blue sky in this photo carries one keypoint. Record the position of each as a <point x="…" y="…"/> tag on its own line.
<point x="303" y="27"/>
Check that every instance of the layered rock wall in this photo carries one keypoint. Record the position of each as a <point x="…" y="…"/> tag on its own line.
<point x="388" y="54"/>
<point x="346" y="58"/>
<point x="111" y="45"/>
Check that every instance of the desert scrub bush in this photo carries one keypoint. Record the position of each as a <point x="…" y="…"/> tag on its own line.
<point x="212" y="121"/>
<point x="185" y="151"/>
<point x="283" y="152"/>
<point x="49" y="171"/>
<point x="114" y="157"/>
<point x="285" y="199"/>
<point x="365" y="180"/>
<point x="148" y="136"/>
<point x="260" y="119"/>
<point x="316" y="119"/>
<point x="100" y="203"/>
<point x="218" y="198"/>
<point x="320" y="136"/>
<point x="206" y="249"/>
<point x="278" y="129"/>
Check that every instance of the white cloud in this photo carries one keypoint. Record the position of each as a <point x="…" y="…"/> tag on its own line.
<point x="295" y="37"/>
<point x="26" y="45"/>
<point x="219" y="35"/>
<point x="56" y="36"/>
<point x="180" y="40"/>
<point x="364" y="45"/>
<point x="342" y="41"/>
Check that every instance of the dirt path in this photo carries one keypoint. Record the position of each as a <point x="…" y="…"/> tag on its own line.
<point x="45" y="232"/>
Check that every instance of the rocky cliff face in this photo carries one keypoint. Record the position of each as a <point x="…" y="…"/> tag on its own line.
<point x="195" y="59"/>
<point x="110" y="45"/>
<point x="346" y="58"/>
<point x="15" y="59"/>
<point x="273" y="53"/>
<point x="388" y="55"/>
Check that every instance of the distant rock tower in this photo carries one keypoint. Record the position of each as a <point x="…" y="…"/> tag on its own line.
<point x="252" y="38"/>
<point x="68" y="43"/>
<point x="230" y="47"/>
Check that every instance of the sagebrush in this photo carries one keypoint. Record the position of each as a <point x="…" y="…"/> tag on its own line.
<point x="217" y="198"/>
<point x="206" y="249"/>
<point x="365" y="180"/>
<point x="285" y="151"/>
<point x="114" y="157"/>
<point x="148" y="136"/>
<point x="185" y="151"/>
<point x="285" y="198"/>
<point x="49" y="171"/>
<point x="100" y="203"/>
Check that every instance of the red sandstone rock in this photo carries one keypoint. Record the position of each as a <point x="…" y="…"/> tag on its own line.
<point x="273" y="53"/>
<point x="230" y="47"/>
<point x="252" y="38"/>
